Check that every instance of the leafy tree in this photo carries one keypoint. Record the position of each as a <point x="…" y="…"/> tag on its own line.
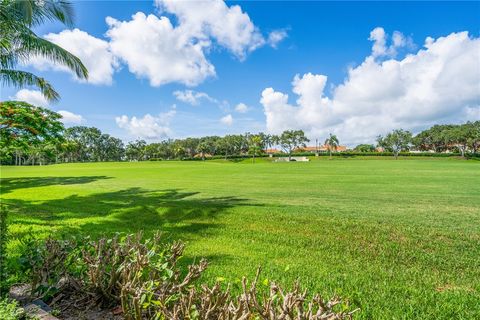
<point x="190" y="145"/>
<point x="459" y="136"/>
<point x="203" y="148"/>
<point x="332" y="143"/>
<point x="18" y="43"/>
<point x="24" y="127"/>
<point x="255" y="146"/>
<point x="135" y="150"/>
<point x="290" y="140"/>
<point x="226" y="145"/>
<point x="473" y="135"/>
<point x="396" y="141"/>
<point x="365" y="148"/>
<point x="434" y="138"/>
<point x="269" y="141"/>
<point x="88" y="141"/>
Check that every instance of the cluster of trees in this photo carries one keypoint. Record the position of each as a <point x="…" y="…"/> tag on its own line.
<point x="227" y="146"/>
<point x="439" y="138"/>
<point x="33" y="135"/>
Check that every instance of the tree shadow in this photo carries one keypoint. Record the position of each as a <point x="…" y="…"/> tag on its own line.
<point x="10" y="184"/>
<point x="181" y="214"/>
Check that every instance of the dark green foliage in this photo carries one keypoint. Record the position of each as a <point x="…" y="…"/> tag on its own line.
<point x="10" y="310"/>
<point x="24" y="125"/>
<point x="89" y="144"/>
<point x="3" y="251"/>
<point x="290" y="140"/>
<point x="396" y="141"/>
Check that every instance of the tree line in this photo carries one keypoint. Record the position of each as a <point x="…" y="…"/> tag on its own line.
<point x="33" y="135"/>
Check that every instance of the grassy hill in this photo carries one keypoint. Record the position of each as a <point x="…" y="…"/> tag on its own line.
<point x="400" y="239"/>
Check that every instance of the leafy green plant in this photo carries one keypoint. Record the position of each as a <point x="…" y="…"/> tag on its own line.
<point x="9" y="310"/>
<point x="45" y="262"/>
<point x="141" y="275"/>
<point x="3" y="250"/>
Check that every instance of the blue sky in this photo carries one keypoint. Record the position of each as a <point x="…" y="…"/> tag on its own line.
<point x="315" y="39"/>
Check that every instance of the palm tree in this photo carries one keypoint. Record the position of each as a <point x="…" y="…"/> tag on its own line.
<point x="255" y="142"/>
<point x="332" y="143"/>
<point x="18" y="43"/>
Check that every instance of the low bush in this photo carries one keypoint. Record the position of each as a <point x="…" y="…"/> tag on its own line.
<point x="142" y="277"/>
<point x="9" y="310"/>
<point x="3" y="251"/>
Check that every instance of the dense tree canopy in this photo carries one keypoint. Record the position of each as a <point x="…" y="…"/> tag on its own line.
<point x="290" y="140"/>
<point x="85" y="144"/>
<point x="396" y="141"/>
<point x="28" y="129"/>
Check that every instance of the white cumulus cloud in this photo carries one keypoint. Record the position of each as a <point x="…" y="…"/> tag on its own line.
<point x="70" y="117"/>
<point x="34" y="97"/>
<point x="171" y="47"/>
<point x="230" y="27"/>
<point x="154" y="49"/>
<point x="148" y="126"/>
<point x="93" y="52"/>
<point x="380" y="38"/>
<point x="439" y="83"/>
<point x="227" y="120"/>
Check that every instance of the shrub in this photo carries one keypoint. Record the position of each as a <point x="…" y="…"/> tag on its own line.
<point x="9" y="310"/>
<point x="45" y="263"/>
<point x="142" y="276"/>
<point x="3" y="250"/>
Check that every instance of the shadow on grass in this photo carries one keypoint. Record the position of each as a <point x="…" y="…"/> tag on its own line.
<point x="180" y="214"/>
<point x="10" y="184"/>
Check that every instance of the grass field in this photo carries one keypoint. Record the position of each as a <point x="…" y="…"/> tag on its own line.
<point x="400" y="239"/>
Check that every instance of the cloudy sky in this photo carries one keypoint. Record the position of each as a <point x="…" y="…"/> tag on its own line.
<point x="173" y="69"/>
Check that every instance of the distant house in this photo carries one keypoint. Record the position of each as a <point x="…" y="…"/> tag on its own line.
<point x="379" y="149"/>
<point x="200" y="155"/>
<point x="323" y="148"/>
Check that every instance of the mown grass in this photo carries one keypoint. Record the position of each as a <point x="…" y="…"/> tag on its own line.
<point x="400" y="239"/>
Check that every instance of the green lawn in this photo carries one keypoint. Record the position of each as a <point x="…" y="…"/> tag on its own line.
<point x="400" y="239"/>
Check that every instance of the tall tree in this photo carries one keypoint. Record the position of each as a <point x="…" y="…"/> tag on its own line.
<point x="18" y="43"/>
<point x="135" y="150"/>
<point x="331" y="143"/>
<point x="255" y="146"/>
<point x="459" y="137"/>
<point x="23" y="125"/>
<point x="290" y="140"/>
<point x="396" y="141"/>
<point x="474" y="136"/>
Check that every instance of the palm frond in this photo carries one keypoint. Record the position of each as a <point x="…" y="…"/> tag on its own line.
<point x="18" y="78"/>
<point x="30" y="45"/>
<point x="34" y="13"/>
